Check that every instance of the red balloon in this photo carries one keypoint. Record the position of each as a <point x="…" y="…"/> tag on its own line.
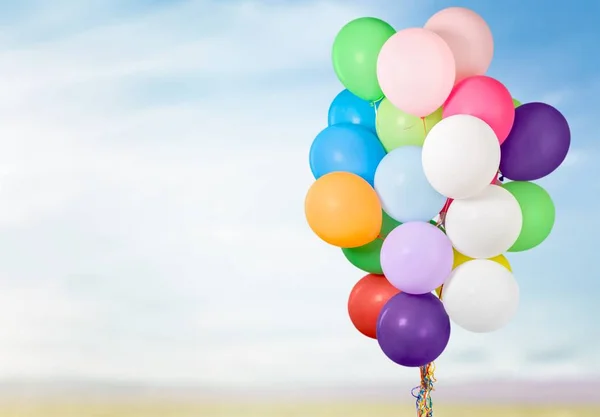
<point x="366" y="300"/>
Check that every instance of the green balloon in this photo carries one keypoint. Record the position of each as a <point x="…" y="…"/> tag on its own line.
<point x="516" y="102"/>
<point x="355" y="52"/>
<point x="388" y="224"/>
<point x="538" y="214"/>
<point x="366" y="257"/>
<point x="396" y="128"/>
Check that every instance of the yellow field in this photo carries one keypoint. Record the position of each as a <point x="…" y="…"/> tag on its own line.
<point x="317" y="410"/>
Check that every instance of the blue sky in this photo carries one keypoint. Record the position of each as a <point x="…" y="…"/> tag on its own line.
<point x="153" y="167"/>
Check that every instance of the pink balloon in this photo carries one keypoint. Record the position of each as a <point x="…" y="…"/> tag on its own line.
<point x="469" y="38"/>
<point x="416" y="71"/>
<point x="485" y="98"/>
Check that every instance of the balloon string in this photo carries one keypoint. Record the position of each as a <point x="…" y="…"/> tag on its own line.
<point x="374" y="104"/>
<point x="423" y="397"/>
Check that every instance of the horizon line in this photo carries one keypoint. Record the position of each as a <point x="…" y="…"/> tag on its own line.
<point x="563" y="391"/>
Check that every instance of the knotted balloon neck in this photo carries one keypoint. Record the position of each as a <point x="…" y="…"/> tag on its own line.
<point x="422" y="393"/>
<point x="441" y="223"/>
<point x="374" y="104"/>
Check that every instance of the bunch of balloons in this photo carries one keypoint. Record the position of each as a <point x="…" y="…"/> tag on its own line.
<point x="408" y="180"/>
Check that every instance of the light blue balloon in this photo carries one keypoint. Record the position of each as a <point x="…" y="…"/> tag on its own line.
<point x="346" y="147"/>
<point x="348" y="108"/>
<point x="403" y="189"/>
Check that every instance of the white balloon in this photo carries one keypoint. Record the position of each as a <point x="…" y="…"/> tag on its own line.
<point x="461" y="156"/>
<point x="485" y="225"/>
<point x="481" y="296"/>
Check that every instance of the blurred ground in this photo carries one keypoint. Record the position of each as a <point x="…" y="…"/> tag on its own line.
<point x="286" y="410"/>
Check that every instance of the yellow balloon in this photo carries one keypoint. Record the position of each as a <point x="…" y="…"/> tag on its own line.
<point x="460" y="259"/>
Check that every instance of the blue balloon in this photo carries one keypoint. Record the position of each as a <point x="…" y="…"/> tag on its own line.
<point x="348" y="108"/>
<point x="403" y="189"/>
<point x="346" y="147"/>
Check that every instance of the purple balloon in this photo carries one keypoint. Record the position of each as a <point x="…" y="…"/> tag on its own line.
<point x="413" y="330"/>
<point x="537" y="144"/>
<point x="416" y="257"/>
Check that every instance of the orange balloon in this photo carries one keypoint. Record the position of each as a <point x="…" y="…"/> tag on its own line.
<point x="343" y="210"/>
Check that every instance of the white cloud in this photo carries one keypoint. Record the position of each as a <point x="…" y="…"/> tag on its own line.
<point x="168" y="242"/>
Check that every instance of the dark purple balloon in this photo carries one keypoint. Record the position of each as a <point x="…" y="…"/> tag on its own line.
<point x="537" y="144"/>
<point x="413" y="330"/>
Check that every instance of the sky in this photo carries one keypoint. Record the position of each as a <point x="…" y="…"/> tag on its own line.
<point x="153" y="168"/>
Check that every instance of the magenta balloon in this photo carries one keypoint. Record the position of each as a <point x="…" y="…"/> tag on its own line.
<point x="416" y="257"/>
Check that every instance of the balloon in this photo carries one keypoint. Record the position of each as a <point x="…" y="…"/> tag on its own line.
<point x="343" y="210"/>
<point x="538" y="143"/>
<point x="485" y="225"/>
<point x="366" y="301"/>
<point x="446" y="205"/>
<point x="413" y="330"/>
<point x="367" y="257"/>
<point x="461" y="156"/>
<point x="450" y="200"/>
<point x="347" y="108"/>
<point x="481" y="296"/>
<point x="348" y="148"/>
<point x="468" y="36"/>
<point x="416" y="257"/>
<point x="355" y="52"/>
<point x="516" y="103"/>
<point x="396" y="128"/>
<point x="460" y="259"/>
<point x="416" y="71"/>
<point x="486" y="99"/>
<point x="538" y="214"/>
<point x="403" y="190"/>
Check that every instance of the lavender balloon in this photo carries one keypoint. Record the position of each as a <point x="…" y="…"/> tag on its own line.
<point x="413" y="330"/>
<point x="537" y="144"/>
<point x="416" y="257"/>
